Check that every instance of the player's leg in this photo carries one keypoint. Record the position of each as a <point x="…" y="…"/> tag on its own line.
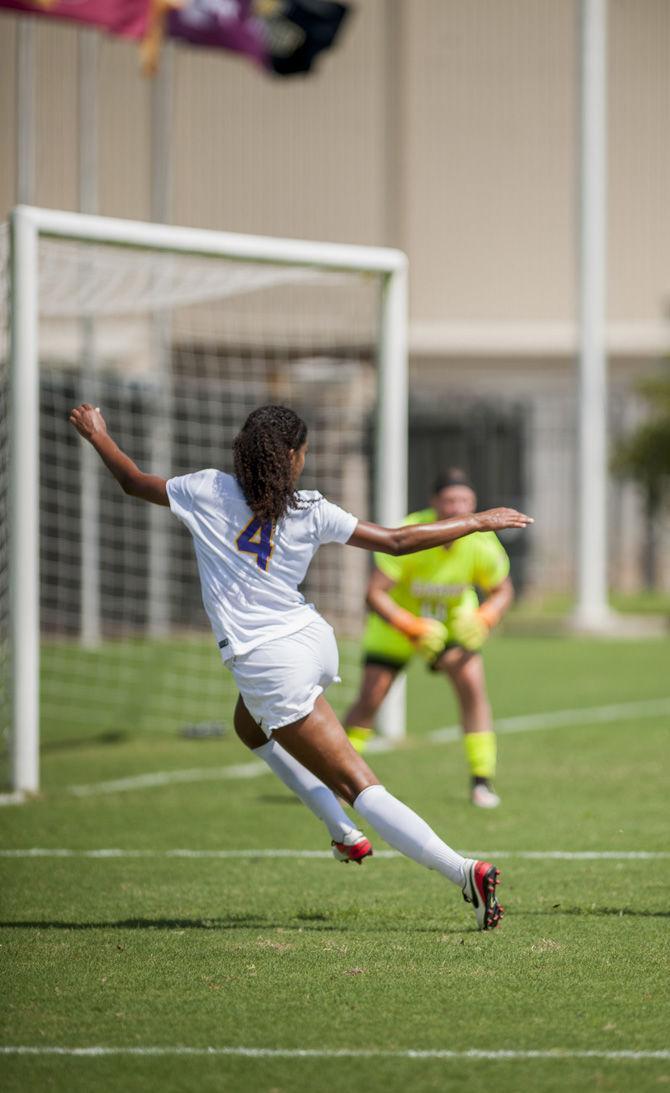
<point x="319" y="743"/>
<point x="318" y="798"/>
<point x="466" y="672"/>
<point x="376" y="682"/>
<point x="386" y="652"/>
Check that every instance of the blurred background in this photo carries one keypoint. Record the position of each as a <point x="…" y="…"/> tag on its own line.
<point x="445" y="128"/>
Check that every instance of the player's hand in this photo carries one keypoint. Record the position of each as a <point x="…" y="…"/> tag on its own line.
<point x="432" y="641"/>
<point x="469" y="628"/>
<point x="428" y="636"/>
<point x="87" y="420"/>
<point x="498" y="519"/>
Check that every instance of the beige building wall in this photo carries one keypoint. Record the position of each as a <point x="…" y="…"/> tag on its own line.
<point x="301" y="158"/>
<point x="250" y="153"/>
<point x="489" y="159"/>
<point x="448" y="127"/>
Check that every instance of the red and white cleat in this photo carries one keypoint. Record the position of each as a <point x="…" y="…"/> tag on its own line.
<point x="481" y="880"/>
<point x="354" y="847"/>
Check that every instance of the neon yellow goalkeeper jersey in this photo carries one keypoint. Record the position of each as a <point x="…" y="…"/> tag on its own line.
<point x="433" y="583"/>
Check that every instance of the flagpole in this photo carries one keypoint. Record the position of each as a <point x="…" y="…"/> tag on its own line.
<point x="89" y="624"/>
<point x="25" y="111"/>
<point x="160" y="411"/>
<point x="392" y="719"/>
<point x="592" y="612"/>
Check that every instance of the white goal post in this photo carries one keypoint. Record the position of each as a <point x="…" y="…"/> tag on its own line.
<point x="28" y="227"/>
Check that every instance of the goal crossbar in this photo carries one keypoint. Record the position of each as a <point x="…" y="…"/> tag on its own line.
<point x="85" y="228"/>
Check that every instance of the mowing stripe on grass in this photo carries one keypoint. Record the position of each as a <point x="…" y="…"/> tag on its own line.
<point x="336" y="1053"/>
<point x="559" y="719"/>
<point x="533" y="855"/>
<point x="556" y="719"/>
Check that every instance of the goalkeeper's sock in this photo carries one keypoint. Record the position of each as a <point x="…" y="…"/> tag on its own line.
<point x="481" y="752"/>
<point x="318" y="798"/>
<point x="408" y="833"/>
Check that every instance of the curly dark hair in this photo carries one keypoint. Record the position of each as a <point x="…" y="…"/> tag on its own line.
<point x="262" y="462"/>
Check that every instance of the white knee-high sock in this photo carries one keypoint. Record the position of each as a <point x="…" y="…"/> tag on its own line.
<point x="318" y="798"/>
<point x="408" y="833"/>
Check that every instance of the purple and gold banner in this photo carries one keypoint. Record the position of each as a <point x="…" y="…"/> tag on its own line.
<point x="284" y="36"/>
<point x="221" y="24"/>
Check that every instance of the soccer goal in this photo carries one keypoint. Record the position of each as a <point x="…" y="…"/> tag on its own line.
<point x="176" y="334"/>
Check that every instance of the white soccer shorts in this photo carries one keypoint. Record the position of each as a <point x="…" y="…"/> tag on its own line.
<point x="281" y="680"/>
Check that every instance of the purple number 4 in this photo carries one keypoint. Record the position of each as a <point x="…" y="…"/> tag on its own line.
<point x="256" y="538"/>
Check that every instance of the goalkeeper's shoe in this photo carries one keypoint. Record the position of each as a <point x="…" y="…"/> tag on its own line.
<point x="354" y="847"/>
<point x="360" y="737"/>
<point x="481" y="879"/>
<point x="484" y="796"/>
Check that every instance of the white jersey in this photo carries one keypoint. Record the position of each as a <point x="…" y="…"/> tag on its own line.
<point x="249" y="571"/>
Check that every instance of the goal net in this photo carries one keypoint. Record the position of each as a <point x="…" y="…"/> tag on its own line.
<point x="177" y="335"/>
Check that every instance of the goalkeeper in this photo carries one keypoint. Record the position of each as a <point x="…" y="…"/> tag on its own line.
<point x="426" y="603"/>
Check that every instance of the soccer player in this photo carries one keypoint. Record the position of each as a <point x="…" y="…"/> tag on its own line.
<point x="426" y="603"/>
<point x="254" y="535"/>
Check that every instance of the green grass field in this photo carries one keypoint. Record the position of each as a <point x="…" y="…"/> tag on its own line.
<point x="300" y="953"/>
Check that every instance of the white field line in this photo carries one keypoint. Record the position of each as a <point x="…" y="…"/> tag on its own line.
<point x="559" y="719"/>
<point x="531" y="855"/>
<point x="16" y="798"/>
<point x="526" y="723"/>
<point x="556" y="1055"/>
<point x="165" y="777"/>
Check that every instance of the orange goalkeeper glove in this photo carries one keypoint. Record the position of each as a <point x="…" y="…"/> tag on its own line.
<point x="428" y="636"/>
<point x="470" y="628"/>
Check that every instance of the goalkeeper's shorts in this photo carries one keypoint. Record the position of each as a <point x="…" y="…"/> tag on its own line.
<point x="281" y="680"/>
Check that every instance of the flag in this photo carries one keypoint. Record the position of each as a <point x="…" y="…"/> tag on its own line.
<point x="225" y="24"/>
<point x="299" y="30"/>
<point x="126" y="18"/>
<point x="284" y="36"/>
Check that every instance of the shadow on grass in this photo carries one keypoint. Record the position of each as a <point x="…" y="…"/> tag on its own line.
<point x="301" y="923"/>
<point x="595" y="912"/>
<point x="167" y="924"/>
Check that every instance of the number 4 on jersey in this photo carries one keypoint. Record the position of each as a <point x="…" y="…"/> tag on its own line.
<point x="256" y="538"/>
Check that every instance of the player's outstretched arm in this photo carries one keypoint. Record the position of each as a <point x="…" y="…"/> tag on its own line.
<point x="89" y="423"/>
<point x="414" y="537"/>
